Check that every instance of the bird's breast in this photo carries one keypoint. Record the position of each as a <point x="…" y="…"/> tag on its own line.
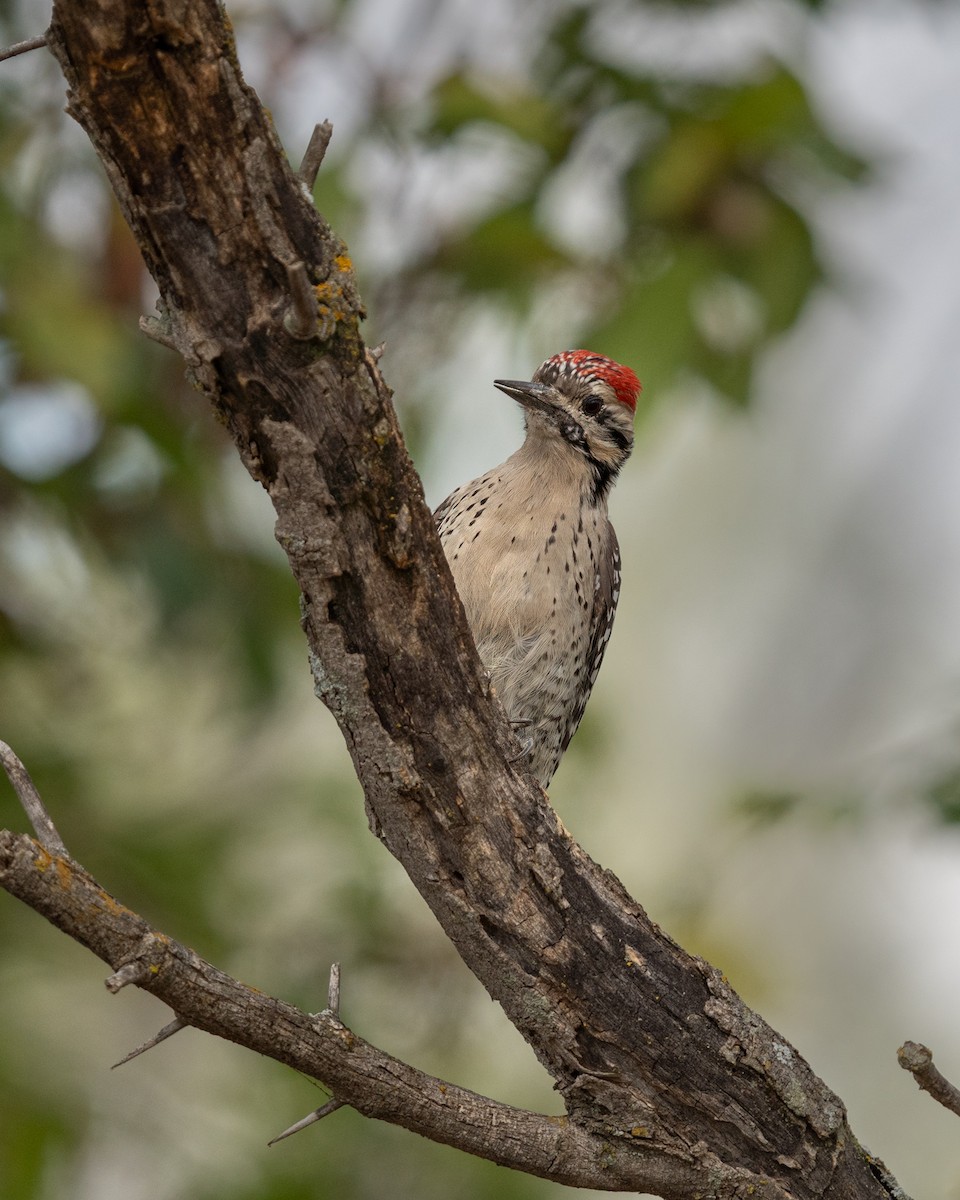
<point x="523" y="566"/>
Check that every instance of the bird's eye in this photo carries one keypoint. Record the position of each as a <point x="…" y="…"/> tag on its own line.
<point x="592" y="405"/>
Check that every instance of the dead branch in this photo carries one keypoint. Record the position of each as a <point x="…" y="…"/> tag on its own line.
<point x="23" y="47"/>
<point x="320" y="1045"/>
<point x="30" y="801"/>
<point x="315" y="152"/>
<point x="918" y="1060"/>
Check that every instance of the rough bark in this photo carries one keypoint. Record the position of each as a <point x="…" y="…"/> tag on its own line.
<point x="651" y="1049"/>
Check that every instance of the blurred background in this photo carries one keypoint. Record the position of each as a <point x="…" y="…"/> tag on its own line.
<point x="752" y="204"/>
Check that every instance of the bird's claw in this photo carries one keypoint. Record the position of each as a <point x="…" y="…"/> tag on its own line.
<point x="525" y="741"/>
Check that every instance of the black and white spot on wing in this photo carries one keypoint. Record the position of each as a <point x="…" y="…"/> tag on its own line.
<point x="606" y="595"/>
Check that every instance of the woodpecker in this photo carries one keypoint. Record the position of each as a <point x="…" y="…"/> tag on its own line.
<point x="532" y="551"/>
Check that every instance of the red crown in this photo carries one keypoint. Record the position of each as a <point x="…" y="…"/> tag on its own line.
<point x="587" y="365"/>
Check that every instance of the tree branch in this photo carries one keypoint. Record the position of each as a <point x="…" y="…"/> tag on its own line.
<point x="651" y="1050"/>
<point x="30" y="802"/>
<point x="321" y="1046"/>
<point x="23" y="47"/>
<point x="918" y="1060"/>
<point x="314" y="154"/>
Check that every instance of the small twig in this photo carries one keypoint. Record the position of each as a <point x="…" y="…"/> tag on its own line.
<point x="166" y="1032"/>
<point x="333" y="991"/>
<point x="32" y="805"/>
<point x="310" y="1119"/>
<point x="131" y="972"/>
<point x="918" y="1060"/>
<point x="158" y="331"/>
<point x="313" y="155"/>
<point x="23" y="47"/>
<point x="371" y="358"/>
<point x="301" y="319"/>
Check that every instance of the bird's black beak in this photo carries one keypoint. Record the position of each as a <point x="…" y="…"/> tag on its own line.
<point x="535" y="396"/>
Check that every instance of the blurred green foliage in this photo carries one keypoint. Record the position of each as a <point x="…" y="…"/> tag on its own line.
<point x="715" y="255"/>
<point x="944" y="798"/>
<point x="151" y="668"/>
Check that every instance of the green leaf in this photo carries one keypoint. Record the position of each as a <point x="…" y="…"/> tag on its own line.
<point x="532" y="116"/>
<point x="507" y="253"/>
<point x="944" y="798"/>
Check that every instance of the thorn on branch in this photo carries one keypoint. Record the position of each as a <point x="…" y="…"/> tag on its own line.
<point x="31" y="803"/>
<point x="166" y="1032"/>
<point x="314" y="153"/>
<point x="23" y="47"/>
<point x="301" y="318"/>
<point x="918" y="1060"/>
<point x="311" y="1119"/>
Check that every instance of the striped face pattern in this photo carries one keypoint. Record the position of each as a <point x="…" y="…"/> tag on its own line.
<point x="587" y="367"/>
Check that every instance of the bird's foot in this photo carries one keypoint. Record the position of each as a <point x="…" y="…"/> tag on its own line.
<point x="524" y="740"/>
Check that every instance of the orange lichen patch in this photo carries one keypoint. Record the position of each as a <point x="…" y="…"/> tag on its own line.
<point x="110" y="904"/>
<point x="330" y="302"/>
<point x="43" y="859"/>
<point x="64" y="874"/>
<point x="344" y="262"/>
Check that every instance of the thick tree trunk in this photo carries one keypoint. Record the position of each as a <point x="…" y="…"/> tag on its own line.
<point x="651" y="1050"/>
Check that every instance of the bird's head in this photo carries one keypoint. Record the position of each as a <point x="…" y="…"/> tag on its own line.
<point x="585" y="401"/>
